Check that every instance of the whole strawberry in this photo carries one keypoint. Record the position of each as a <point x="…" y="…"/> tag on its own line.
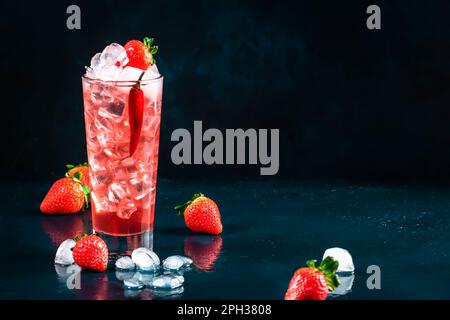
<point x="91" y="252"/>
<point x="311" y="283"/>
<point x="201" y="214"/>
<point x="83" y="169"/>
<point x="66" y="195"/>
<point x="140" y="54"/>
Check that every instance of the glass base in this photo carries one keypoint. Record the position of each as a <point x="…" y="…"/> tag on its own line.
<point x="123" y="245"/>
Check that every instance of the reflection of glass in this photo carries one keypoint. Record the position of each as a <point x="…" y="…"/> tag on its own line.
<point x="123" y="177"/>
<point x="119" y="246"/>
<point x="203" y="250"/>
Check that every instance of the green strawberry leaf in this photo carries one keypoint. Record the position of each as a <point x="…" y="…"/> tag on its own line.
<point x="181" y="207"/>
<point x="328" y="266"/>
<point x="87" y="196"/>
<point x="148" y="42"/>
<point x="77" y="176"/>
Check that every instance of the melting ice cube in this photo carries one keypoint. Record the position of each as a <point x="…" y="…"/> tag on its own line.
<point x="125" y="263"/>
<point x="168" y="293"/>
<point x="176" y="262"/>
<point x="124" y="275"/>
<point x="167" y="282"/>
<point x="133" y="284"/>
<point x="343" y="257"/>
<point x="64" y="253"/>
<point x="144" y="277"/>
<point x="345" y="285"/>
<point x="145" y="259"/>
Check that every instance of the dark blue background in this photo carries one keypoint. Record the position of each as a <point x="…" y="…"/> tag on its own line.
<point x="350" y="103"/>
<point x="363" y="107"/>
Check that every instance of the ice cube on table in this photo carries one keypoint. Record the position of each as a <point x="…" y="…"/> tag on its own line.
<point x="168" y="293"/>
<point x="125" y="263"/>
<point x="345" y="285"/>
<point x="343" y="257"/>
<point x="65" y="271"/>
<point x="64" y="253"/>
<point x="176" y="262"/>
<point x="167" y="282"/>
<point x="145" y="259"/>
<point x="133" y="284"/>
<point x="144" y="277"/>
<point x="124" y="274"/>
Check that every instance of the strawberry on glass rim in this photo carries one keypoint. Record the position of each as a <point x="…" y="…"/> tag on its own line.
<point x="140" y="54"/>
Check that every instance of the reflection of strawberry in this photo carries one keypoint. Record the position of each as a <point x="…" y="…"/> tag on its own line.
<point x="203" y="250"/>
<point x="83" y="169"/>
<point x="311" y="283"/>
<point x="95" y="287"/>
<point x="66" y="195"/>
<point x="62" y="228"/>
<point x="91" y="252"/>
<point x="201" y="214"/>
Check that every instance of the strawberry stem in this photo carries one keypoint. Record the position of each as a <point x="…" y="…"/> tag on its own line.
<point x="181" y="207"/>
<point x="77" y="177"/>
<point x="148" y="42"/>
<point x="328" y="266"/>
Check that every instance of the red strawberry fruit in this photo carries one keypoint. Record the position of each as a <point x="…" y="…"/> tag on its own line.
<point x="91" y="252"/>
<point x="83" y="169"/>
<point x="201" y="214"/>
<point x="66" y="195"/>
<point x="140" y="54"/>
<point x="311" y="283"/>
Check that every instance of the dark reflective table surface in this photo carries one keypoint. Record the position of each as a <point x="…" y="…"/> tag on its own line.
<point x="270" y="229"/>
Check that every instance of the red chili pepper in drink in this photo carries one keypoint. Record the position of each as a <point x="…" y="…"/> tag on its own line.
<point x="136" y="115"/>
<point x="140" y="55"/>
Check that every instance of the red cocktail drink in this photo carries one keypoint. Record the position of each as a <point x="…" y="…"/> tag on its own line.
<point x="123" y="161"/>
